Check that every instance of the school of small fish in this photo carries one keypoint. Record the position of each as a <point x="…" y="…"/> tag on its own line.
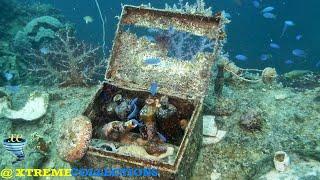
<point x="267" y="12"/>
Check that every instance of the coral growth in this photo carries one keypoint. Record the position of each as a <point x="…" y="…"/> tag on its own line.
<point x="74" y="139"/>
<point x="182" y="45"/>
<point x="62" y="60"/>
<point x="37" y="30"/>
<point x="197" y="8"/>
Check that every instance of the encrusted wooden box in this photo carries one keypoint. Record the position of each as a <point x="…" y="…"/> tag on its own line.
<point x="168" y="52"/>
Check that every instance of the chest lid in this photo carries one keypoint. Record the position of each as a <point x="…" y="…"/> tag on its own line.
<point x="173" y="49"/>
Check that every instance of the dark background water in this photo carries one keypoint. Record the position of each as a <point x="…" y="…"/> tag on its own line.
<point x="249" y="33"/>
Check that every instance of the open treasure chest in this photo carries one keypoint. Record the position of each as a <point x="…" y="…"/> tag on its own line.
<point x="148" y="111"/>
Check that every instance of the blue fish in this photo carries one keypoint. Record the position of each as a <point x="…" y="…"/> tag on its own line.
<point x="267" y="9"/>
<point x="286" y="25"/>
<point x="153" y="88"/>
<point x="150" y="38"/>
<point x="152" y="60"/>
<point x="13" y="88"/>
<point x="256" y="4"/>
<point x="269" y="15"/>
<point x="274" y="45"/>
<point x="265" y="57"/>
<point x="162" y="138"/>
<point x="299" y="53"/>
<point x="289" y="61"/>
<point x="8" y="76"/>
<point x="44" y="51"/>
<point x="318" y="64"/>
<point x="298" y="37"/>
<point x="241" y="57"/>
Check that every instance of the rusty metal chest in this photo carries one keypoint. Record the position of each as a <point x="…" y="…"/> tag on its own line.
<point x="148" y="111"/>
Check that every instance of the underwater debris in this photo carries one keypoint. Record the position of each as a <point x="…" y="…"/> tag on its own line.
<point x="138" y="151"/>
<point x="116" y="130"/>
<point x="134" y="110"/>
<point x="268" y="75"/>
<point x="251" y="120"/>
<point x="281" y="161"/>
<point x="156" y="149"/>
<point x="184" y="83"/>
<point x="209" y="126"/>
<point x="74" y="138"/>
<point x="123" y="109"/>
<point x="166" y="110"/>
<point x="183" y="123"/>
<point x="35" y="108"/>
<point x="148" y="115"/>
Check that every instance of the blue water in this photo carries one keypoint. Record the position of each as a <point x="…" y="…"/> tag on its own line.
<point x="249" y="33"/>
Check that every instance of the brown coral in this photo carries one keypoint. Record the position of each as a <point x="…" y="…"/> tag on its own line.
<point x="67" y="61"/>
<point x="74" y="139"/>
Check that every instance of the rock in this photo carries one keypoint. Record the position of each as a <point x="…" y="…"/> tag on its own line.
<point x="211" y="134"/>
<point x="43" y="21"/>
<point x="213" y="140"/>
<point x="74" y="140"/>
<point x="209" y="126"/>
<point x="35" y="31"/>
<point x="35" y="107"/>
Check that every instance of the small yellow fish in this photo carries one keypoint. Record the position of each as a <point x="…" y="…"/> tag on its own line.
<point x="88" y="19"/>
